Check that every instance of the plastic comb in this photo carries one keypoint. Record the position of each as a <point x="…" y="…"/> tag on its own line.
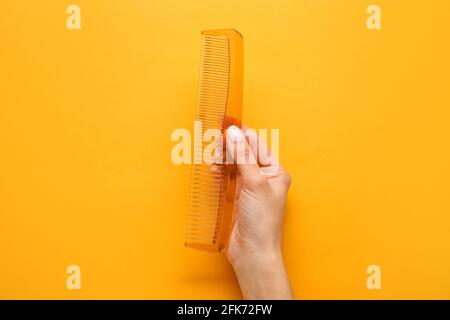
<point x="219" y="105"/>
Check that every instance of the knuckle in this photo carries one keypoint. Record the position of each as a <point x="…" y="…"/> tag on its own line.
<point x="287" y="179"/>
<point x="258" y="181"/>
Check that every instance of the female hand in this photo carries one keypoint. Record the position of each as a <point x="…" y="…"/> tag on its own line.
<point x="254" y="249"/>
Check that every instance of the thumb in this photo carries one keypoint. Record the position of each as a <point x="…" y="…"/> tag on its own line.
<point x="241" y="154"/>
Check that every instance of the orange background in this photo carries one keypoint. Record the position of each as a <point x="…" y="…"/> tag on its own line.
<point x="86" y="117"/>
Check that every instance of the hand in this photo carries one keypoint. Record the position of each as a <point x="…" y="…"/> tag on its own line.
<point x="254" y="249"/>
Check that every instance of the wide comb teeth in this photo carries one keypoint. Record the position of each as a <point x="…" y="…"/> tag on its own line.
<point x="206" y="184"/>
<point x="209" y="208"/>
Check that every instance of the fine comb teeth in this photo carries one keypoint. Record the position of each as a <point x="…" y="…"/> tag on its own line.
<point x="219" y="106"/>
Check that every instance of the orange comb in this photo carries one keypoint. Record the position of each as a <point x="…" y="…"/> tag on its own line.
<point x="219" y="105"/>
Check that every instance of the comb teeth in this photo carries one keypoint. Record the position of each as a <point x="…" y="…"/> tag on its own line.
<point x="219" y="105"/>
<point x="207" y="185"/>
<point x="214" y="81"/>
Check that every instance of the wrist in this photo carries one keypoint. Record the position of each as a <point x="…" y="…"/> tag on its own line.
<point x="262" y="275"/>
<point x="249" y="260"/>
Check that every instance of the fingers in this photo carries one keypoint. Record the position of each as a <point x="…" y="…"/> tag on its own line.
<point x="242" y="154"/>
<point x="260" y="149"/>
<point x="268" y="162"/>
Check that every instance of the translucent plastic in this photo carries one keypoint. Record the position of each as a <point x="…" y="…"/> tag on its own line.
<point x="213" y="188"/>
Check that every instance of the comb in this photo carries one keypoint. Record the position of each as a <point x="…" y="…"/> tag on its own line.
<point x="212" y="196"/>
